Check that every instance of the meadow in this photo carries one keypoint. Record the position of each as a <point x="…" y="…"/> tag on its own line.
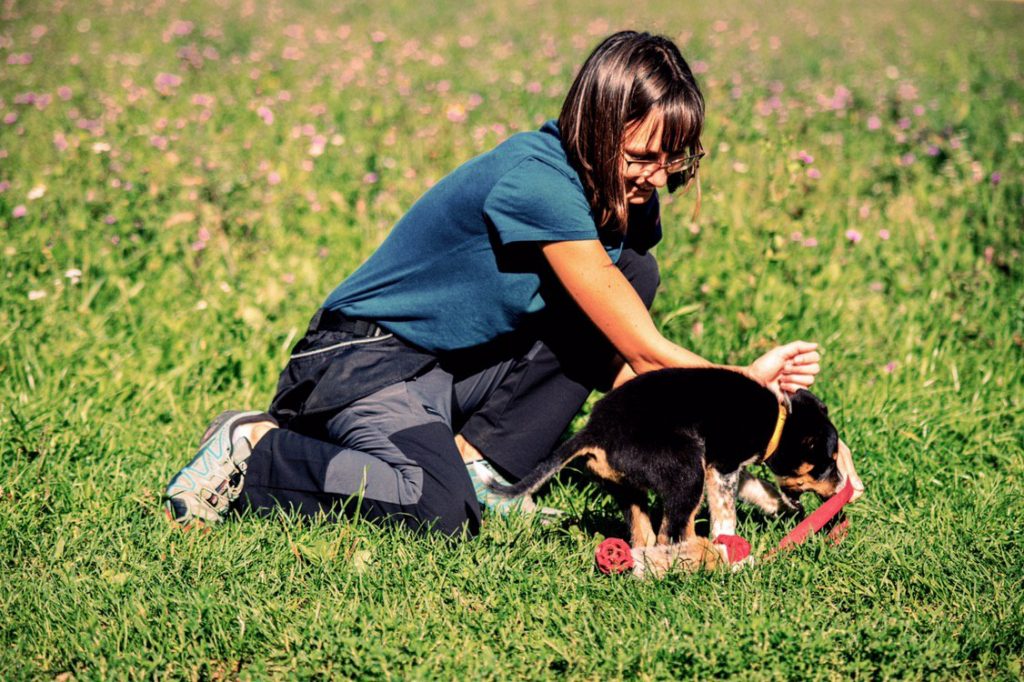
<point x="182" y="183"/>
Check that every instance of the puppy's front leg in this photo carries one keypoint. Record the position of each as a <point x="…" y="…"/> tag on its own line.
<point x="764" y="495"/>
<point x="721" y="489"/>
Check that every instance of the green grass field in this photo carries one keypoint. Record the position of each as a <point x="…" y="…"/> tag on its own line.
<point x="183" y="183"/>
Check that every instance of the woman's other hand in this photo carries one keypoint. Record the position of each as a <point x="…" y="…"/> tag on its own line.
<point x="787" y="368"/>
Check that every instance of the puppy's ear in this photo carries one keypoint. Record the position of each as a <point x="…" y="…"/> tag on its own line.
<point x="805" y="397"/>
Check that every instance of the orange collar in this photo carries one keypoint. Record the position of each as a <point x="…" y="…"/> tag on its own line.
<point x="773" y="444"/>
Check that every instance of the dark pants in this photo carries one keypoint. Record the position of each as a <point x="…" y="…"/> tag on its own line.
<point x="368" y="423"/>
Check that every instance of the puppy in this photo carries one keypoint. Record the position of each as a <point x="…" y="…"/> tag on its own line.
<point x="679" y="432"/>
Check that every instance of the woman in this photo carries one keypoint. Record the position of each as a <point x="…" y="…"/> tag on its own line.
<point x="511" y="290"/>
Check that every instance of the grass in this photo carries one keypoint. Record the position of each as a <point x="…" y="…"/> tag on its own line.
<point x="862" y="189"/>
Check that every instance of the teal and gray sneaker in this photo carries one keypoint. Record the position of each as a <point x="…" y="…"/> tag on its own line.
<point x="205" y="488"/>
<point x="481" y="473"/>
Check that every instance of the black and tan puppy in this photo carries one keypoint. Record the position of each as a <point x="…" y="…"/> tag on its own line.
<point x="679" y="432"/>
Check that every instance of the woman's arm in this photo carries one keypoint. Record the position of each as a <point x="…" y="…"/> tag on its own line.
<point x="606" y="297"/>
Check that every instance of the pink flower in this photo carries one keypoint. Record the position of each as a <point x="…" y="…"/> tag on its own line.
<point x="456" y="113"/>
<point x="804" y="157"/>
<point x="813" y="173"/>
<point x="883" y="234"/>
<point x="317" y="146"/>
<point x="890" y="367"/>
<point x="19" y="211"/>
<point x="64" y="92"/>
<point x="180" y="28"/>
<point x="874" y="123"/>
<point x="810" y="242"/>
<point x="266" y="114"/>
<point x="10" y="118"/>
<point x="370" y="178"/>
<point x="995" y="178"/>
<point x="165" y="83"/>
<point x="907" y="91"/>
<point x="908" y="159"/>
<point x="273" y="178"/>
<point x="853" y="235"/>
<point x="169" y="80"/>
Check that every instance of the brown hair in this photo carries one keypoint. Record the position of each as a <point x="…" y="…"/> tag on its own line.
<point x="624" y="79"/>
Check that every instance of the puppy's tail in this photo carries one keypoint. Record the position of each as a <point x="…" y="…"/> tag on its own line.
<point x="547" y="468"/>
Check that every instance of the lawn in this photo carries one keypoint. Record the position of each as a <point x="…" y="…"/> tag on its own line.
<point x="181" y="184"/>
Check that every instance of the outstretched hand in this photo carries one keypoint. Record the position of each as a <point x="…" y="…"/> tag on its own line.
<point x="787" y="368"/>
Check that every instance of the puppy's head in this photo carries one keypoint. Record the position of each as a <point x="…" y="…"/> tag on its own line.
<point x="806" y="457"/>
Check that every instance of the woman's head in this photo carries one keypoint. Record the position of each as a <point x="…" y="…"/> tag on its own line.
<point x="633" y="109"/>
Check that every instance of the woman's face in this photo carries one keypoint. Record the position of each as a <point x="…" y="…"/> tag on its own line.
<point x="642" y="143"/>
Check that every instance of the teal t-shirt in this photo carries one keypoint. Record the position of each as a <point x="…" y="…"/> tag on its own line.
<point x="461" y="268"/>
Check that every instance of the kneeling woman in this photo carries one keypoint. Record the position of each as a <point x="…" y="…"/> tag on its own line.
<point x="470" y="339"/>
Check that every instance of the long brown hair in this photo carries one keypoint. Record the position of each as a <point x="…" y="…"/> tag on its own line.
<point x="626" y="77"/>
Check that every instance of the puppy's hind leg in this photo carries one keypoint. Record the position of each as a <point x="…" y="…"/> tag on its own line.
<point x="681" y="492"/>
<point x="637" y="512"/>
<point x="690" y="552"/>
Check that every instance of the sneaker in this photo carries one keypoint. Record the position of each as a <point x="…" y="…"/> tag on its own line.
<point x="481" y="473"/>
<point x="205" y="488"/>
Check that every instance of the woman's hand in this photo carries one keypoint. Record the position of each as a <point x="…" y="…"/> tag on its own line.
<point x="787" y="368"/>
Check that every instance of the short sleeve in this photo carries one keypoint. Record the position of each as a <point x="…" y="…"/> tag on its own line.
<point x="534" y="202"/>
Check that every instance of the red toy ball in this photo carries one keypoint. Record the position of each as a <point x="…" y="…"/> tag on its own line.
<point x="613" y="556"/>
<point x="736" y="548"/>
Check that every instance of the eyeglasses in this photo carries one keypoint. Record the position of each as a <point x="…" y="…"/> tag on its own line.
<point x="683" y="164"/>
